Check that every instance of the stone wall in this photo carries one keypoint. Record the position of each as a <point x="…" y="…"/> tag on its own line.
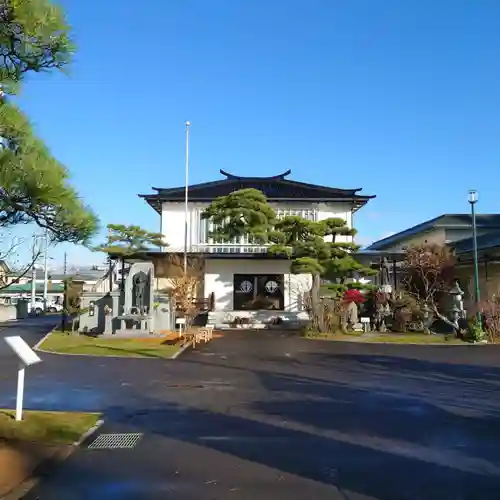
<point x="7" y="313"/>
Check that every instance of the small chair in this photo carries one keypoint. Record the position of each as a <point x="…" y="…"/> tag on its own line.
<point x="206" y="333"/>
<point x="210" y="332"/>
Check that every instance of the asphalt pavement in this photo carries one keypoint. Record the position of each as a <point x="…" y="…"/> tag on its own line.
<point x="264" y="415"/>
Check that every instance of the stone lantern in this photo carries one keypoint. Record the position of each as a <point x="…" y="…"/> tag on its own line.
<point x="457" y="306"/>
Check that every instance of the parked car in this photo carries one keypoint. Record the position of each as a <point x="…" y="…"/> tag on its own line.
<point x="40" y="307"/>
<point x="52" y="306"/>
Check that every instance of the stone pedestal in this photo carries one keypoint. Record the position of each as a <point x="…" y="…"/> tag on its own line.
<point x="100" y="311"/>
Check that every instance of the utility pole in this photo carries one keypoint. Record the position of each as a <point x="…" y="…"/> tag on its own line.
<point x="33" y="275"/>
<point x="45" y="272"/>
<point x="65" y="299"/>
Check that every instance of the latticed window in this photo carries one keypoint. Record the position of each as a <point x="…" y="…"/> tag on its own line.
<point x="207" y="226"/>
<point x="305" y="213"/>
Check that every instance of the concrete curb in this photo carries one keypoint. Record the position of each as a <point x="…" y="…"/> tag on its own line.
<point x="433" y="344"/>
<point x="36" y="347"/>
<point x="89" y="433"/>
<point x="43" y="469"/>
<point x="181" y="350"/>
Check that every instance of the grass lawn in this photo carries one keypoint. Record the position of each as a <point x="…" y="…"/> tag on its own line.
<point x="46" y="426"/>
<point x="40" y="439"/>
<point x="415" y="338"/>
<point x="393" y="338"/>
<point x="147" y="347"/>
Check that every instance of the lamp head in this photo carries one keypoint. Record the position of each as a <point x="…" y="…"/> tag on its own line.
<point x="473" y="196"/>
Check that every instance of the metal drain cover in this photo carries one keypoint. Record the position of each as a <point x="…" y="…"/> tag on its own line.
<point x="115" y="441"/>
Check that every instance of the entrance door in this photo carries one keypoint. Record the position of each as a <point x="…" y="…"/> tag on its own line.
<point x="258" y="291"/>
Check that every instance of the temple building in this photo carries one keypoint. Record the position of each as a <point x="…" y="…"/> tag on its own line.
<point x="241" y="277"/>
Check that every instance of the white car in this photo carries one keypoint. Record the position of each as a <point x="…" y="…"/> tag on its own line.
<point x="40" y="307"/>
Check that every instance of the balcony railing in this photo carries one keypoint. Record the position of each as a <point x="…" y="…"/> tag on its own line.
<point x="220" y="248"/>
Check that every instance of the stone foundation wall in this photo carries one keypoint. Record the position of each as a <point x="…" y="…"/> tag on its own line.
<point x="489" y="282"/>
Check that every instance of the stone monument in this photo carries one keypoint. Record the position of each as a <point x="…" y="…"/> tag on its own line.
<point x="134" y="311"/>
<point x="138" y="293"/>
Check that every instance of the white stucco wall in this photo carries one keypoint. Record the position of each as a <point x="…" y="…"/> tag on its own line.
<point x="339" y="211"/>
<point x="173" y="217"/>
<point x="434" y="236"/>
<point x="219" y="279"/>
<point x="173" y="223"/>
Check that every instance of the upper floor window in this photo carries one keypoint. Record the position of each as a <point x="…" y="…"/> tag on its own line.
<point x="206" y="226"/>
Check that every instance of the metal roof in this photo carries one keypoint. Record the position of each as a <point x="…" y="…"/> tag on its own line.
<point x="484" y="242"/>
<point x="447" y="221"/>
<point x="26" y="288"/>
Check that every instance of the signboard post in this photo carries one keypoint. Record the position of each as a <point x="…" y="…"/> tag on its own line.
<point x="27" y="357"/>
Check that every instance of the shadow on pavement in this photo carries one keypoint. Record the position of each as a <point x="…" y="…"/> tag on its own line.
<point x="422" y="438"/>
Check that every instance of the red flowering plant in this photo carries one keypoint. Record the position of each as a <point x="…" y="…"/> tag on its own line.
<point x="353" y="296"/>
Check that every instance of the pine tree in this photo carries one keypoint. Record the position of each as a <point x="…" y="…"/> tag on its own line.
<point x="313" y="247"/>
<point x="241" y="213"/>
<point x="125" y="241"/>
<point x="34" y="37"/>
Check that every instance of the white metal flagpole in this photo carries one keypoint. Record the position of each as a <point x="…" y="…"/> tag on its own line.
<point x="186" y="198"/>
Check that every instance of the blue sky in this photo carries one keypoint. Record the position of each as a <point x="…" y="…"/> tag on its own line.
<point x="398" y="97"/>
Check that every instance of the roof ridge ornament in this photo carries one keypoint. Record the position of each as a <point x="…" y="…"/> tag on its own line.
<point x="239" y="177"/>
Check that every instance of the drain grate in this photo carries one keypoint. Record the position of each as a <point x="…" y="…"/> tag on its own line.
<point x="115" y="441"/>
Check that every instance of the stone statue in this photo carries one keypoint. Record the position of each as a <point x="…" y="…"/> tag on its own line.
<point x="139" y="289"/>
<point x="352" y="314"/>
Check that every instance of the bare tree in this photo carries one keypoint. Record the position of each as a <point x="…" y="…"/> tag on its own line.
<point x="490" y="309"/>
<point x="9" y="253"/>
<point x="184" y="287"/>
<point x="429" y="273"/>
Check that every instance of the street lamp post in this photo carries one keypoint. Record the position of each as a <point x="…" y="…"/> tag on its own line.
<point x="473" y="197"/>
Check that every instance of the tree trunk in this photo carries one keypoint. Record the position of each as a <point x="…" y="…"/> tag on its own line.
<point x="317" y="312"/>
<point x="446" y="320"/>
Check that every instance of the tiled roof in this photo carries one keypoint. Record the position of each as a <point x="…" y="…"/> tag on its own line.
<point x="276" y="188"/>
